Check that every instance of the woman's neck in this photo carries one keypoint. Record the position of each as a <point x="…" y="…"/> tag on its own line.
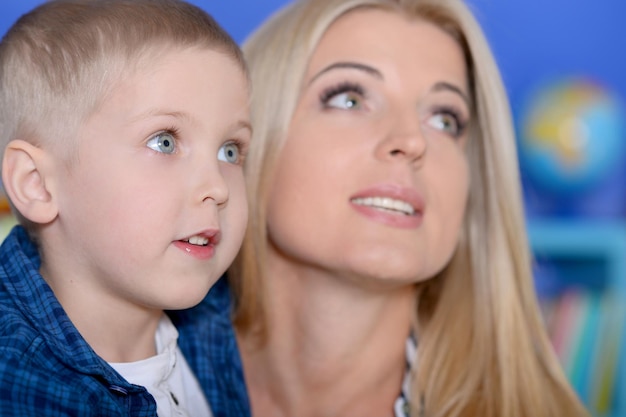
<point x="334" y="347"/>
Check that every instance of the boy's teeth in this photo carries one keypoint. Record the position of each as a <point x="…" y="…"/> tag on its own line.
<point x="198" y="240"/>
<point x="386" y="203"/>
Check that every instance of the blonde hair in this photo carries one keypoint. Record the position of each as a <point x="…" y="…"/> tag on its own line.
<point x="483" y="350"/>
<point x="59" y="61"/>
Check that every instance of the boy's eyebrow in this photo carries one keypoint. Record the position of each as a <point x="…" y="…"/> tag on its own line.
<point x="351" y="65"/>
<point x="244" y="124"/>
<point x="240" y="124"/>
<point x="160" y="112"/>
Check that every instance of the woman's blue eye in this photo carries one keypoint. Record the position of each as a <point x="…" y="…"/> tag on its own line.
<point x="229" y="152"/>
<point x="346" y="101"/>
<point x="447" y="123"/>
<point x="162" y="142"/>
<point x="345" y="96"/>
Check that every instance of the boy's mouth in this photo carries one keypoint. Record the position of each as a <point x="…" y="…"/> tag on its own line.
<point x="202" y="245"/>
<point x="197" y="240"/>
<point x="205" y="238"/>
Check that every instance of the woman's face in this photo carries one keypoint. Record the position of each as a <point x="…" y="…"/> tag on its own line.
<point x="373" y="179"/>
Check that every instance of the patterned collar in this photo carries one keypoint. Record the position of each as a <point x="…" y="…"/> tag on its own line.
<point x="401" y="407"/>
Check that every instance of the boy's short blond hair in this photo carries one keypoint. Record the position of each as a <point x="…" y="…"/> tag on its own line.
<point x="62" y="59"/>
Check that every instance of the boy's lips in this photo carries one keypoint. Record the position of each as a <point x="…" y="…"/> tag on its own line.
<point x="207" y="237"/>
<point x="200" y="245"/>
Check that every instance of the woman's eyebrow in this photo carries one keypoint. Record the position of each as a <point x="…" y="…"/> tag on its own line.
<point x="439" y="86"/>
<point x="446" y="86"/>
<point x="350" y="65"/>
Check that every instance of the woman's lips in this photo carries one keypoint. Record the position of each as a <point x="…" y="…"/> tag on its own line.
<point x="390" y="204"/>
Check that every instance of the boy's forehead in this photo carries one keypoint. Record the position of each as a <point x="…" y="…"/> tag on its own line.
<point x="152" y="57"/>
<point x="182" y="83"/>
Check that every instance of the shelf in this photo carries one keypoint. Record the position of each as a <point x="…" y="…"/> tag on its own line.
<point x="589" y="256"/>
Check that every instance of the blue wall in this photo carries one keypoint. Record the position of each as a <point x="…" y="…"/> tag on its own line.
<point x="532" y="39"/>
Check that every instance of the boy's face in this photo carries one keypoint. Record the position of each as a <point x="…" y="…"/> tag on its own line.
<point x="154" y="210"/>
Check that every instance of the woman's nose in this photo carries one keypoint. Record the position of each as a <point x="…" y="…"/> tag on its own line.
<point x="404" y="140"/>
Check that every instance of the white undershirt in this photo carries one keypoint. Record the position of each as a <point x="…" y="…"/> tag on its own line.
<point x="167" y="377"/>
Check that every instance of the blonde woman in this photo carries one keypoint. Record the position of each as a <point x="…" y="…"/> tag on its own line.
<point x="386" y="270"/>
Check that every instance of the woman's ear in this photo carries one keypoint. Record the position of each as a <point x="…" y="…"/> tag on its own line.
<point x="25" y="177"/>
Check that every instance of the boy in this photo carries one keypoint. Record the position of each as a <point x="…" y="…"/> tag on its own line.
<point x="123" y="124"/>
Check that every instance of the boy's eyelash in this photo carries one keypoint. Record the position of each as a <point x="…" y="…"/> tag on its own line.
<point x="174" y="131"/>
<point x="344" y="87"/>
<point x="242" y="146"/>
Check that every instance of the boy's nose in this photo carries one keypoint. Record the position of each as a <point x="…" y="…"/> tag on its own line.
<point x="212" y="186"/>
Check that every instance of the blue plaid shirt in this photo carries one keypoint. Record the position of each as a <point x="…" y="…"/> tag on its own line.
<point x="48" y="369"/>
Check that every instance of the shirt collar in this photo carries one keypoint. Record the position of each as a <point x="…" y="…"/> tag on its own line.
<point x="401" y="407"/>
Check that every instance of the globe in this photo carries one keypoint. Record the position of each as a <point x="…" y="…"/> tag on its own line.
<point x="572" y="137"/>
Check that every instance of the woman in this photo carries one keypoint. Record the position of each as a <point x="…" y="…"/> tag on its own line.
<point x="386" y="215"/>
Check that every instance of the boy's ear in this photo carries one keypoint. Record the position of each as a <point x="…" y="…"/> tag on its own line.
<point x="24" y="175"/>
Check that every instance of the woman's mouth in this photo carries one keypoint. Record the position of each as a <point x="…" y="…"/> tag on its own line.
<point x="386" y="204"/>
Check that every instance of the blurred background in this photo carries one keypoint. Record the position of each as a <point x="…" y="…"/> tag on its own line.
<point x="564" y="68"/>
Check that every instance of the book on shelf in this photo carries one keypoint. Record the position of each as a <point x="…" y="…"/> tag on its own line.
<point x="588" y="332"/>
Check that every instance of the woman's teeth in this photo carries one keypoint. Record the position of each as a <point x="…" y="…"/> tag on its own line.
<point x="386" y="203"/>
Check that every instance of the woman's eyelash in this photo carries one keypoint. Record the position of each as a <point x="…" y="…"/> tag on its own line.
<point x="460" y="120"/>
<point x="344" y="87"/>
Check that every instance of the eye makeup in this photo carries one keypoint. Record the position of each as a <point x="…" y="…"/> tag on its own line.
<point x="343" y="87"/>
<point x="459" y="122"/>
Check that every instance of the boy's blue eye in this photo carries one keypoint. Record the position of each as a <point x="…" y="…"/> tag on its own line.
<point x="162" y="142"/>
<point x="229" y="152"/>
